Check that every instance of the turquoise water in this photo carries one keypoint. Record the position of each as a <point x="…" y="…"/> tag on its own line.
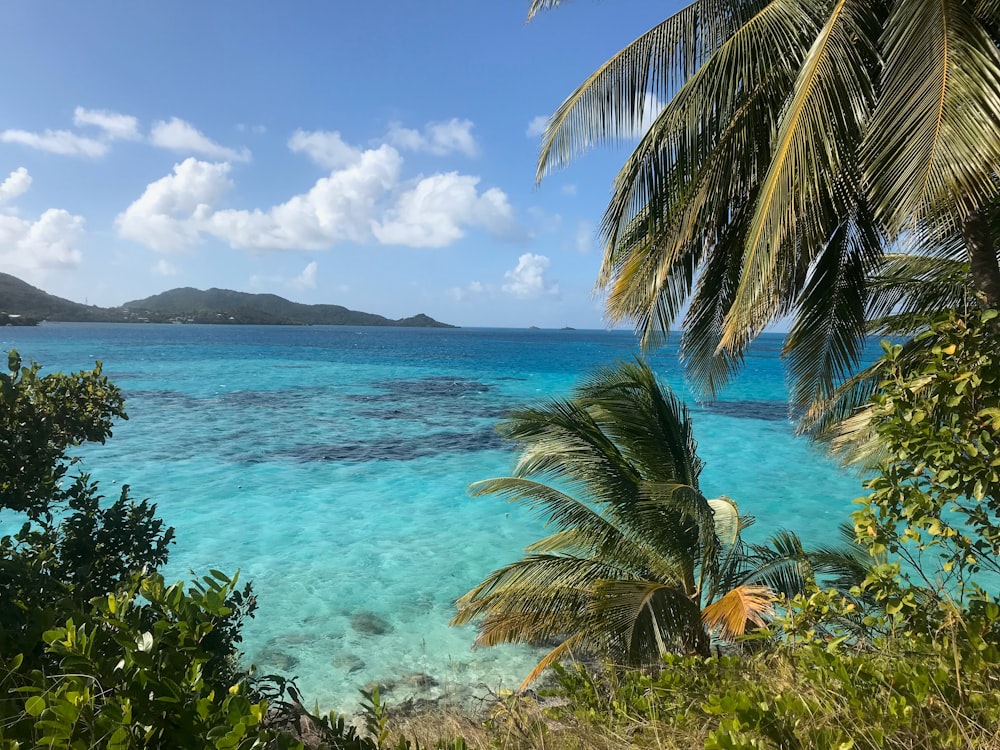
<point x="329" y="466"/>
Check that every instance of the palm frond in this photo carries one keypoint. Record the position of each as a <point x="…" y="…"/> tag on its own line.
<point x="649" y="424"/>
<point x="813" y="166"/>
<point x="827" y="340"/>
<point x="612" y="103"/>
<point x="918" y="286"/>
<point x="533" y="599"/>
<point x="781" y="564"/>
<point x="744" y="75"/>
<point x="650" y="267"/>
<point x="563" y="649"/>
<point x="644" y="619"/>
<point x="842" y="420"/>
<point x="934" y="145"/>
<point x="739" y="607"/>
<point x="845" y="565"/>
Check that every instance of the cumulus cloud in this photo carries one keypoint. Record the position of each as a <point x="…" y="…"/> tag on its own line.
<point x="325" y="147"/>
<point x="180" y="135"/>
<point x="170" y="213"/>
<point x="361" y="200"/>
<point x="61" y="142"/>
<point x="48" y="242"/>
<point x="337" y="208"/>
<point x="437" y="138"/>
<point x="435" y="212"/>
<point x="537" y="126"/>
<point x="17" y="183"/>
<point x="115" y="125"/>
<point x="527" y="279"/>
<point x="33" y="246"/>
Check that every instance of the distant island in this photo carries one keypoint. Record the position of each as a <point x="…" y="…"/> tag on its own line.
<point x="23" y="304"/>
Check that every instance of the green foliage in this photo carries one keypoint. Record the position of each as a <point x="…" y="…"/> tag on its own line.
<point x="936" y="499"/>
<point x="641" y="563"/>
<point x="40" y="418"/>
<point x="134" y="674"/>
<point x="812" y="696"/>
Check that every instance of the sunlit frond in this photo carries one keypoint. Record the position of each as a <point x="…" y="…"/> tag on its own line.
<point x="730" y="615"/>
<point x="813" y="167"/>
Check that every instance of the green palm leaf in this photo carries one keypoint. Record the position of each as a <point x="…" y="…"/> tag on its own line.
<point x="934" y="145"/>
<point x="813" y="165"/>
<point x="633" y="559"/>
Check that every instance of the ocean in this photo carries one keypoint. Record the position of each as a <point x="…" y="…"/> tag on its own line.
<point x="329" y="465"/>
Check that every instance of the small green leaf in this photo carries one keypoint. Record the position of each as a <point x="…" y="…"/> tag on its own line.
<point x="34" y="705"/>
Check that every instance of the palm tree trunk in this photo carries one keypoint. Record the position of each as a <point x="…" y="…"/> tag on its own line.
<point x="982" y="259"/>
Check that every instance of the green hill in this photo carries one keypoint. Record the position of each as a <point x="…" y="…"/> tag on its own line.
<point x="188" y="305"/>
<point x="18" y="298"/>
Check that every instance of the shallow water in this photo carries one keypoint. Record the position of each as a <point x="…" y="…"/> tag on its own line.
<point x="329" y="466"/>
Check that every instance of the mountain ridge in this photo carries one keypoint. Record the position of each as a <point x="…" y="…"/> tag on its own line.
<point x="22" y="303"/>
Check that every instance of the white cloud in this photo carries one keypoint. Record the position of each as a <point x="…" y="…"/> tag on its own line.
<point x="337" y="208"/>
<point x="16" y="184"/>
<point x="164" y="268"/>
<point x="179" y="135"/>
<point x="115" y="125"/>
<point x="435" y="212"/>
<point x="324" y="147"/>
<point x="49" y="242"/>
<point x="527" y="279"/>
<point x="537" y="126"/>
<point x="31" y="247"/>
<point x="361" y="200"/>
<point x="439" y="138"/>
<point x="306" y="279"/>
<point x="569" y="189"/>
<point x="171" y="211"/>
<point x="56" y="142"/>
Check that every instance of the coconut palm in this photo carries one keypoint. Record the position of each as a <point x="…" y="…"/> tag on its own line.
<point x="800" y="142"/>
<point x="640" y="562"/>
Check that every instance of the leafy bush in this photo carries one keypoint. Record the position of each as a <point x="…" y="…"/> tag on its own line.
<point x="911" y="695"/>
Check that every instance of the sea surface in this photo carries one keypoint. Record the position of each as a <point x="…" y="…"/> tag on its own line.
<point x="329" y="466"/>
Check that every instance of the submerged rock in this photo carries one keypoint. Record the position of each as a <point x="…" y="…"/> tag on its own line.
<point x="350" y="663"/>
<point x="384" y="686"/>
<point x="419" y="681"/>
<point x="277" y="659"/>
<point x="369" y="623"/>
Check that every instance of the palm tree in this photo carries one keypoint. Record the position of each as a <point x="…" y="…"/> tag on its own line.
<point x="801" y="141"/>
<point x="640" y="562"/>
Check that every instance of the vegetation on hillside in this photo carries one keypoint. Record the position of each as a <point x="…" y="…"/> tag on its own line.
<point x="214" y="306"/>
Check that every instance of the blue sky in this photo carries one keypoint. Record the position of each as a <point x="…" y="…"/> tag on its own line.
<point x="376" y="155"/>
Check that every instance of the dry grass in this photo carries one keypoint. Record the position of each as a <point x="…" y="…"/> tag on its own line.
<point x="522" y="723"/>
